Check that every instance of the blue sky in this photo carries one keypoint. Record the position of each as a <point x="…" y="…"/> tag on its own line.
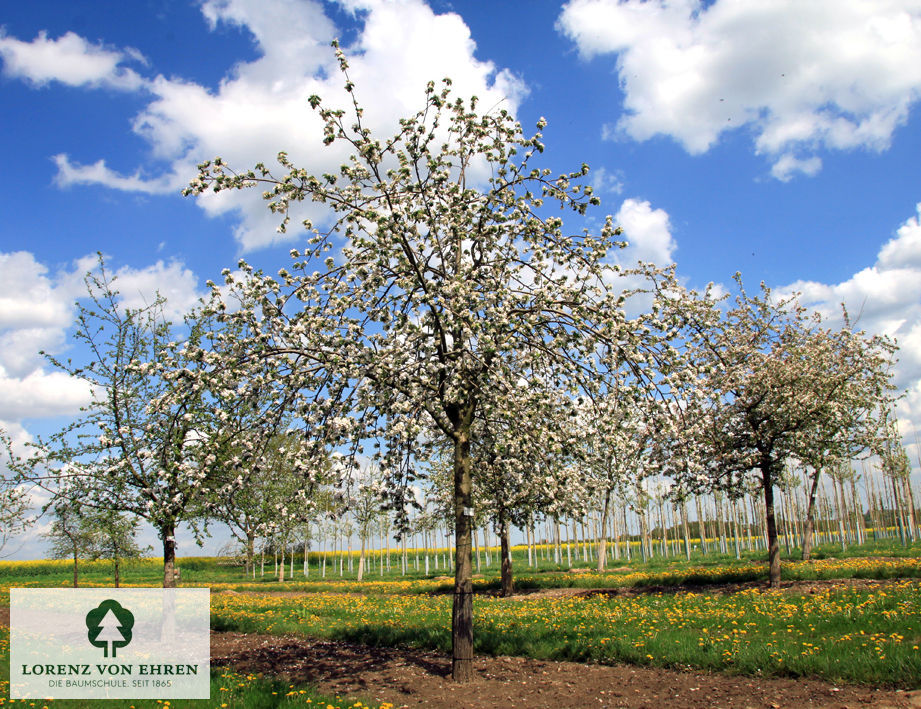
<point x="773" y="137"/>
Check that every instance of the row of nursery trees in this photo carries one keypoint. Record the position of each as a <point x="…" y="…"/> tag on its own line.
<point x="842" y="508"/>
<point x="441" y="327"/>
<point x="352" y="535"/>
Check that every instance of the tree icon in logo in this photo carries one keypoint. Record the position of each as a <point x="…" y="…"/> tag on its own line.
<point x="109" y="626"/>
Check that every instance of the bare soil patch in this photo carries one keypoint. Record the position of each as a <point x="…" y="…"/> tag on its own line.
<point x="414" y="678"/>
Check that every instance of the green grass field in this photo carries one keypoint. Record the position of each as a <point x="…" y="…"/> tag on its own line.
<point x="668" y="613"/>
<point x="865" y="635"/>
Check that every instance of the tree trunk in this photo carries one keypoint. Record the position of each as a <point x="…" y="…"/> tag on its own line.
<point x="508" y="585"/>
<point x="603" y="532"/>
<point x="116" y="573"/>
<point x="910" y="502"/>
<point x="789" y="526"/>
<point x="645" y="544"/>
<point x="627" y="551"/>
<point x="796" y="512"/>
<point x="531" y="555"/>
<point x="76" y="575"/>
<point x="664" y="522"/>
<point x="462" y="608"/>
<point x="751" y="542"/>
<point x="568" y="528"/>
<point x="897" y="512"/>
<point x="720" y="523"/>
<point x="361" y="557"/>
<point x="476" y="549"/>
<point x="767" y="478"/>
<point x="557" y="540"/>
<point x="404" y="560"/>
<point x="615" y="534"/>
<point x="701" y="526"/>
<point x="809" y="531"/>
<point x="250" y="563"/>
<point x="388" y="545"/>
<point x="837" y="488"/>
<point x="168" y="535"/>
<point x="857" y="507"/>
<point x="736" y="532"/>
<point x="380" y="545"/>
<point x="425" y="550"/>
<point x="687" y="532"/>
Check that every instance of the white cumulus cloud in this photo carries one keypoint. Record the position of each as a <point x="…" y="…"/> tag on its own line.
<point x="69" y="59"/>
<point x="260" y="106"/>
<point x="98" y="173"/>
<point x="41" y="394"/>
<point x="36" y="312"/>
<point x="139" y="287"/>
<point x="801" y="76"/>
<point x="27" y="295"/>
<point x="884" y="298"/>
<point x="647" y="232"/>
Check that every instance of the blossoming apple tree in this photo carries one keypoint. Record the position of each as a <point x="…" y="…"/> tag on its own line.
<point x="152" y="441"/>
<point x="440" y="280"/>
<point x="767" y="382"/>
<point x="616" y="440"/>
<point x="128" y="450"/>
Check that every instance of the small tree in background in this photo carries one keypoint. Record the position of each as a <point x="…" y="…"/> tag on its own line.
<point x="523" y="455"/>
<point x="112" y="537"/>
<point x="616" y="441"/>
<point x="896" y="466"/>
<point x="70" y="535"/>
<point x="14" y="496"/>
<point x="263" y="490"/>
<point x="364" y="496"/>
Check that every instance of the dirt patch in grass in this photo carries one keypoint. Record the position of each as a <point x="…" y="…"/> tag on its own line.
<point x="413" y="678"/>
